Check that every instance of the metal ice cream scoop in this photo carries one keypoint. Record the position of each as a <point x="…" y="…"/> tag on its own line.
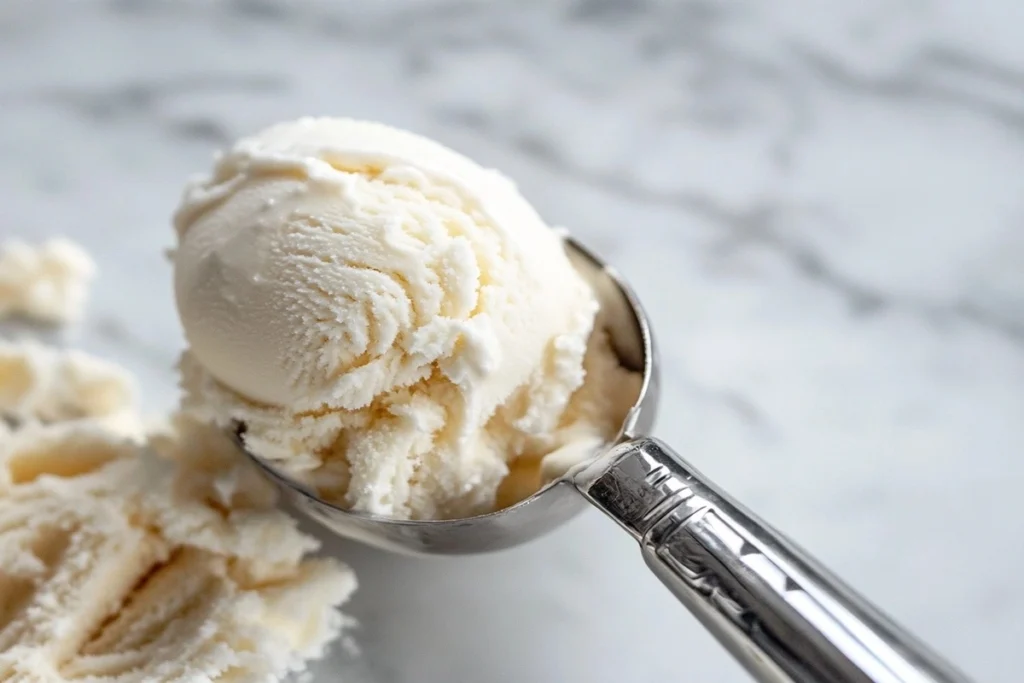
<point x="777" y="611"/>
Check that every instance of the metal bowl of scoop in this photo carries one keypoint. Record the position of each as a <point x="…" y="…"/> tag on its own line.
<point x="779" y="612"/>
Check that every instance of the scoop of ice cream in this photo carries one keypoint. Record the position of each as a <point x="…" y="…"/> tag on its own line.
<point x="330" y="261"/>
<point x="393" y="323"/>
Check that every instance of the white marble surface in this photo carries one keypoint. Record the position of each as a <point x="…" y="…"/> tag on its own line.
<point x="821" y="203"/>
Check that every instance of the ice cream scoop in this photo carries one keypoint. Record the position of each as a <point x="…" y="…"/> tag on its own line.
<point x="781" y="614"/>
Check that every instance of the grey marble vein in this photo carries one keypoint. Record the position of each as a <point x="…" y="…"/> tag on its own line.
<point x="145" y="99"/>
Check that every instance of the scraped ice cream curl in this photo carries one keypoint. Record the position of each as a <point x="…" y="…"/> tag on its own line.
<point x="43" y="384"/>
<point x="120" y="565"/>
<point x="47" y="282"/>
<point x="394" y="324"/>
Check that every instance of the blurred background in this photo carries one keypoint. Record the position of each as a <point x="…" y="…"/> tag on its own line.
<point x="820" y="203"/>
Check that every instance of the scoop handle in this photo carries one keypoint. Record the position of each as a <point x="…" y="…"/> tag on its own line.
<point x="777" y="611"/>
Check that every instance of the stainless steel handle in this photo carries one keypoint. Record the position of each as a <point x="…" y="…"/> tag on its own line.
<point x="784" y="617"/>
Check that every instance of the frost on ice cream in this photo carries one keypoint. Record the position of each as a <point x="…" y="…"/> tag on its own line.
<point x="395" y="325"/>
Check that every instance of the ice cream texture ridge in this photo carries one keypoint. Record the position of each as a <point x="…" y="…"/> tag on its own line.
<point x="394" y="324"/>
<point x="134" y="555"/>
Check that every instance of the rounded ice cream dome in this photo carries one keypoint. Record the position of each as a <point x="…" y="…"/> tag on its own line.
<point x="393" y="322"/>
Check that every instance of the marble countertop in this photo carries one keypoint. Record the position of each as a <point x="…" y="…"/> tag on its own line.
<point x="821" y="204"/>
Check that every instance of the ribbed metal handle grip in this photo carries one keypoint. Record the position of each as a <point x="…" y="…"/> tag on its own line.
<point x="784" y="617"/>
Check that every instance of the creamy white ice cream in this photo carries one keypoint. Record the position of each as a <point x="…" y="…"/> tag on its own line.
<point x="394" y="324"/>
<point x="119" y="565"/>
<point x="48" y="282"/>
<point x="52" y="385"/>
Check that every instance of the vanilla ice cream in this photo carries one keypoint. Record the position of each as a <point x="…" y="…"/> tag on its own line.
<point x="40" y="383"/>
<point x="46" y="282"/>
<point x="117" y="564"/>
<point x="394" y="324"/>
